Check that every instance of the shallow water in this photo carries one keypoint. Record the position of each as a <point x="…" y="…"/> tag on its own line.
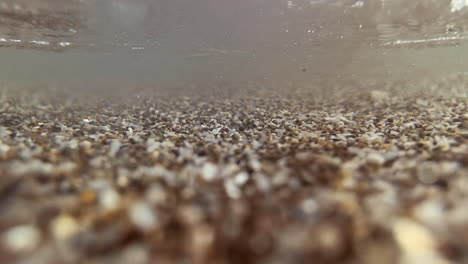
<point x="121" y="44"/>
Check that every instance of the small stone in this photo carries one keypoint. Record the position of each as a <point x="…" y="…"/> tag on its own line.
<point x="66" y="167"/>
<point x="191" y="214"/>
<point x="152" y="145"/>
<point x="109" y="199"/>
<point x="262" y="182"/>
<point x="442" y="142"/>
<point x="98" y="161"/>
<point x="32" y="167"/>
<point x="280" y="178"/>
<point x="431" y="212"/>
<point x="72" y="144"/>
<point x="448" y="167"/>
<point x="232" y="189"/>
<point x="114" y="147"/>
<point x="4" y="149"/>
<point x="209" y="172"/>
<point x="142" y="216"/>
<point x="64" y="226"/>
<point x="255" y="164"/>
<point x="134" y="139"/>
<point x="86" y="144"/>
<point x="135" y="254"/>
<point x="376" y="158"/>
<point x="329" y="237"/>
<point x="4" y="132"/>
<point x="203" y="238"/>
<point x="156" y="195"/>
<point x="241" y="178"/>
<point x="416" y="242"/>
<point x="122" y="180"/>
<point x="431" y="172"/>
<point x="21" y="239"/>
<point x="309" y="206"/>
<point x="88" y="196"/>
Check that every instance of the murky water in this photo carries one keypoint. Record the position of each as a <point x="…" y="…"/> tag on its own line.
<point x="122" y="43"/>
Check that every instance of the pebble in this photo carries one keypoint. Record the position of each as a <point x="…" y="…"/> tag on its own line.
<point x="431" y="172"/>
<point x="135" y="254"/>
<point x="309" y="206"/>
<point x="142" y="216"/>
<point x="241" y="178"/>
<point x="32" y="167"/>
<point x="156" y="195"/>
<point x="203" y="238"/>
<point x="152" y="145"/>
<point x="21" y="239"/>
<point x="4" y="148"/>
<point x="122" y="179"/>
<point x="85" y="144"/>
<point x="376" y="158"/>
<point x="4" y="132"/>
<point x="64" y="227"/>
<point x="417" y="243"/>
<point x="88" y="196"/>
<point x="109" y="199"/>
<point x="114" y="147"/>
<point x="431" y="213"/>
<point x="209" y="172"/>
<point x="232" y="189"/>
<point x="66" y="167"/>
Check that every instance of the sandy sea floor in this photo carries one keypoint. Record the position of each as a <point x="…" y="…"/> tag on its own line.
<point x="375" y="176"/>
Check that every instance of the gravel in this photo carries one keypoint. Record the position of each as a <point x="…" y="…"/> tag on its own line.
<point x="366" y="176"/>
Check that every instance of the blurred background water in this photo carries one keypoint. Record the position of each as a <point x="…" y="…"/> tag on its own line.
<point x="212" y="44"/>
